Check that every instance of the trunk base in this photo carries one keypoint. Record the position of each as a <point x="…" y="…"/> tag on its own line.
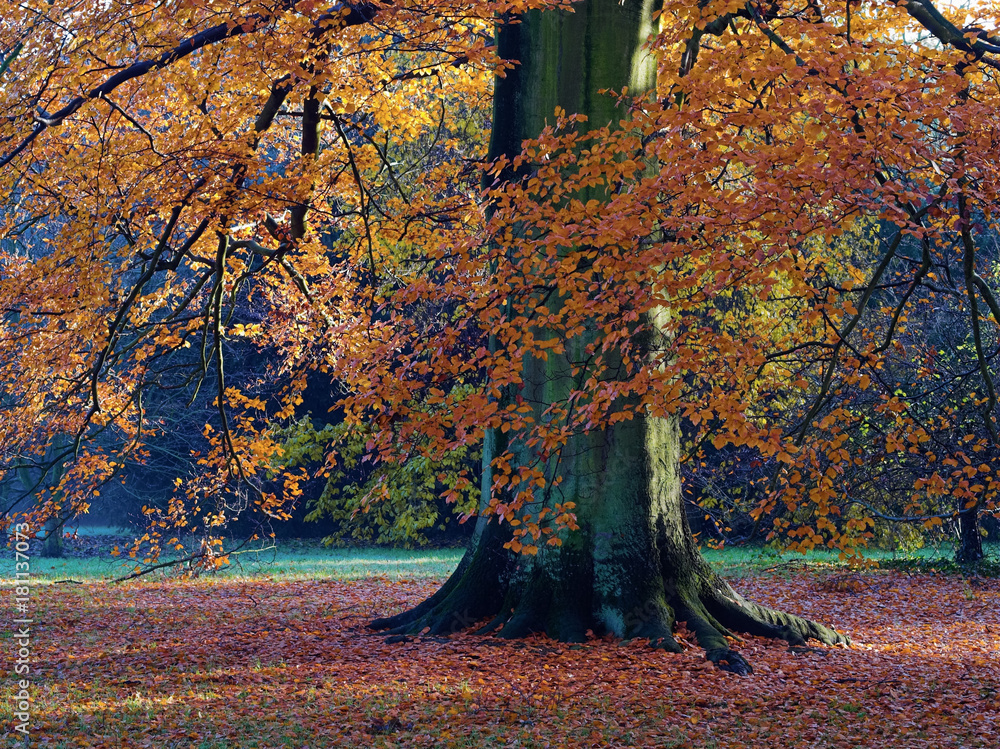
<point x="491" y="584"/>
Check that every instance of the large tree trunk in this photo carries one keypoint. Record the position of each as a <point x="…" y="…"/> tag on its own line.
<point x="632" y="569"/>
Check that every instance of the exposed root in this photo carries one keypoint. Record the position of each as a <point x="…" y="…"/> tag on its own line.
<point x="712" y="617"/>
<point x="718" y="612"/>
<point x="489" y="583"/>
<point x="710" y="635"/>
<point x="657" y="627"/>
<point x="457" y="606"/>
<point x="729" y="660"/>
<point x="474" y="592"/>
<point x="425" y="608"/>
<point x="734" y="611"/>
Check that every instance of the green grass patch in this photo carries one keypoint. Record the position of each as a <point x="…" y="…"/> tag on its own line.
<point x="290" y="564"/>
<point x="743" y="560"/>
<point x="298" y="559"/>
<point x="345" y="564"/>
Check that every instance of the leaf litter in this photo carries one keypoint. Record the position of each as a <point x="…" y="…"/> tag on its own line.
<point x="267" y="663"/>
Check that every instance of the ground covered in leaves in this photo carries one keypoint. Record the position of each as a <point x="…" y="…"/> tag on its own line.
<point x="262" y="663"/>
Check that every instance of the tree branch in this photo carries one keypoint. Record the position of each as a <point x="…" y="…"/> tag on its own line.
<point x="928" y="16"/>
<point x="357" y="14"/>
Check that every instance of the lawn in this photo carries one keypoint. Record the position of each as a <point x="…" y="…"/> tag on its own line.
<point x="275" y="654"/>
<point x="308" y="562"/>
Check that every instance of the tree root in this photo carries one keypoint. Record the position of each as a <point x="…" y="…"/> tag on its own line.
<point x="453" y="608"/>
<point x="729" y="660"/>
<point x="713" y="616"/>
<point x="732" y="610"/>
<point x="716" y="615"/>
<point x="488" y="584"/>
<point x="475" y="591"/>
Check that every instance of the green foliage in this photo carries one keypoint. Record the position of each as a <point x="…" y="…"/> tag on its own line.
<point x="385" y="502"/>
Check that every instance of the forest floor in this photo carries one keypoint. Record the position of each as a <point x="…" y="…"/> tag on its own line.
<point x="250" y="660"/>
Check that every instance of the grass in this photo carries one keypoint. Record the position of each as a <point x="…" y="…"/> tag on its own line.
<point x="96" y="530"/>
<point x="51" y="570"/>
<point x="304" y="560"/>
<point x="737" y="561"/>
<point x="271" y="561"/>
<point x="345" y="564"/>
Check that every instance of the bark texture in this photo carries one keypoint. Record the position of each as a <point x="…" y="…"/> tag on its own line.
<point x="632" y="569"/>
<point x="970" y="541"/>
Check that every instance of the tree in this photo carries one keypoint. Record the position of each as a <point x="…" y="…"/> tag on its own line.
<point x="567" y="328"/>
<point x="631" y="566"/>
<point x="618" y="475"/>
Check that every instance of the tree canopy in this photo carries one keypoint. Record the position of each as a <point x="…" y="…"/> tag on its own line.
<point x="756" y="246"/>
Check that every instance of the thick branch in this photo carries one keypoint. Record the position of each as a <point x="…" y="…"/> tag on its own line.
<point x="928" y="16"/>
<point x="357" y="14"/>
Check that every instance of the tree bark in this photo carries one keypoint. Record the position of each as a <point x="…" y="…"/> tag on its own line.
<point x="633" y="568"/>
<point x="53" y="546"/>
<point x="970" y="541"/>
